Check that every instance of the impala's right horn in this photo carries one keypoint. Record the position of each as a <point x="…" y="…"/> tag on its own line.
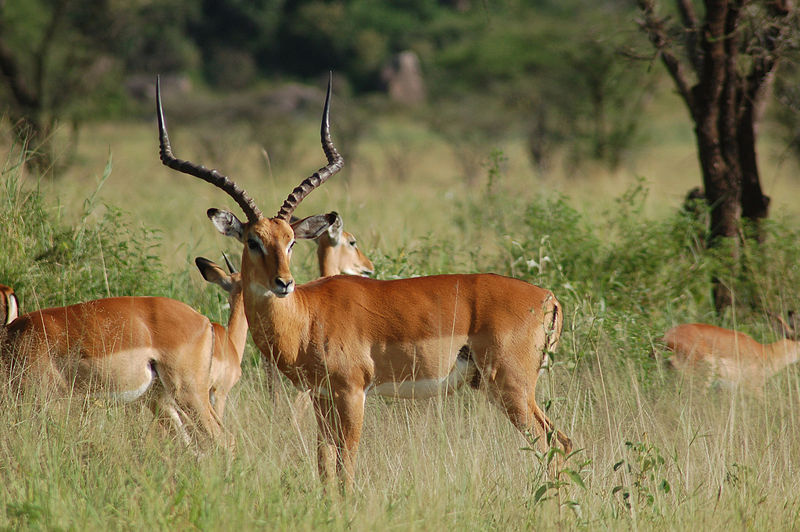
<point x="335" y="163"/>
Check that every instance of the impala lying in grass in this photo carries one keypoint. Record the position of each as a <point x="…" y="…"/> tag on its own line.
<point x="153" y="348"/>
<point x="343" y="337"/>
<point x="730" y="357"/>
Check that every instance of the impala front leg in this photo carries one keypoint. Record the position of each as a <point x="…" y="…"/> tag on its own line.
<point x="339" y="420"/>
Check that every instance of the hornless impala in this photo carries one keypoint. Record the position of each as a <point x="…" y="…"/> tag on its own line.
<point x="9" y="306"/>
<point x="123" y="346"/>
<point x="338" y="252"/>
<point x="226" y="355"/>
<point x="731" y="357"/>
<point x="345" y="336"/>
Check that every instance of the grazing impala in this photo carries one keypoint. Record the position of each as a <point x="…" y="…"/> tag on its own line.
<point x="345" y="336"/>
<point x="731" y="357"/>
<point x="9" y="307"/>
<point x="124" y="346"/>
<point x="226" y="356"/>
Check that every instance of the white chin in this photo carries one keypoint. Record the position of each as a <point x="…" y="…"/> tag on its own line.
<point x="283" y="293"/>
<point x="259" y="290"/>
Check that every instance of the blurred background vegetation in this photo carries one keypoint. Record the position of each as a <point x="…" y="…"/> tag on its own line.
<point x="556" y="72"/>
<point x="571" y="77"/>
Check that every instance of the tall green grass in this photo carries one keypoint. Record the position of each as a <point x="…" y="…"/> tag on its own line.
<point x="655" y="450"/>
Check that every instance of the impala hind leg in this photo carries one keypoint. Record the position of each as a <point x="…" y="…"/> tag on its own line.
<point x="339" y="421"/>
<point x="197" y="404"/>
<point x="188" y="400"/>
<point x="166" y="414"/>
<point x="518" y="401"/>
<point x="300" y="406"/>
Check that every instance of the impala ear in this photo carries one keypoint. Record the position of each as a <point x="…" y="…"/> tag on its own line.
<point x="335" y="229"/>
<point x="313" y="226"/>
<point x="13" y="308"/>
<point x="226" y="223"/>
<point x="782" y="327"/>
<point x="213" y="273"/>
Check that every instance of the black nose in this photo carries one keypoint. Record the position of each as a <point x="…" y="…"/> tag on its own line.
<point x="282" y="284"/>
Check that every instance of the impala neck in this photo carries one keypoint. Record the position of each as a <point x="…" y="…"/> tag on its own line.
<point x="327" y="262"/>
<point x="237" y="324"/>
<point x="782" y="353"/>
<point x="278" y="325"/>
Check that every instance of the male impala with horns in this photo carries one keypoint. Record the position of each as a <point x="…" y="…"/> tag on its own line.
<point x="345" y="337"/>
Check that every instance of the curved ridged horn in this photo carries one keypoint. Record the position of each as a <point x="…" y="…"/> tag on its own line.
<point x="212" y="176"/>
<point x="231" y="268"/>
<point x="335" y="163"/>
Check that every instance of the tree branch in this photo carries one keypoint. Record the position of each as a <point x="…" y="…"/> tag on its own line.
<point x="712" y="76"/>
<point x="692" y="25"/>
<point x="765" y="63"/>
<point x="655" y="29"/>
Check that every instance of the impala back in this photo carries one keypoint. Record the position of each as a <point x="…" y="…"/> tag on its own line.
<point x="111" y="344"/>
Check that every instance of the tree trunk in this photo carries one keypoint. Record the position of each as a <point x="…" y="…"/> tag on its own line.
<point x="734" y="68"/>
<point x="723" y="196"/>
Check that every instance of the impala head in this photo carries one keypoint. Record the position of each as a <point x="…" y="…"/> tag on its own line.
<point x="231" y="283"/>
<point x="338" y="251"/>
<point x="268" y="247"/>
<point x="267" y="242"/>
<point x="789" y="329"/>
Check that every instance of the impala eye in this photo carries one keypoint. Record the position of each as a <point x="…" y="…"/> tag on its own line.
<point x="252" y="243"/>
<point x="353" y="243"/>
<point x="291" y="245"/>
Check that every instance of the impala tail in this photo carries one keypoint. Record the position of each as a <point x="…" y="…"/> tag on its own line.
<point x="553" y="330"/>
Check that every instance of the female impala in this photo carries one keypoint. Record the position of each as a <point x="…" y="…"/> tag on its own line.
<point x="338" y="252"/>
<point x="123" y="346"/>
<point x="730" y="357"/>
<point x="9" y="307"/>
<point x="344" y="336"/>
<point x="226" y="355"/>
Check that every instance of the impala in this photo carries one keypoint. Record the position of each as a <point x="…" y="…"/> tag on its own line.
<point x="731" y="357"/>
<point x="343" y="337"/>
<point x="125" y="347"/>
<point x="338" y="251"/>
<point x="226" y="356"/>
<point x="9" y="306"/>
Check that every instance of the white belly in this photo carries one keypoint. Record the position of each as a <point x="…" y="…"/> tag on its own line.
<point x="425" y="388"/>
<point x="125" y="376"/>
